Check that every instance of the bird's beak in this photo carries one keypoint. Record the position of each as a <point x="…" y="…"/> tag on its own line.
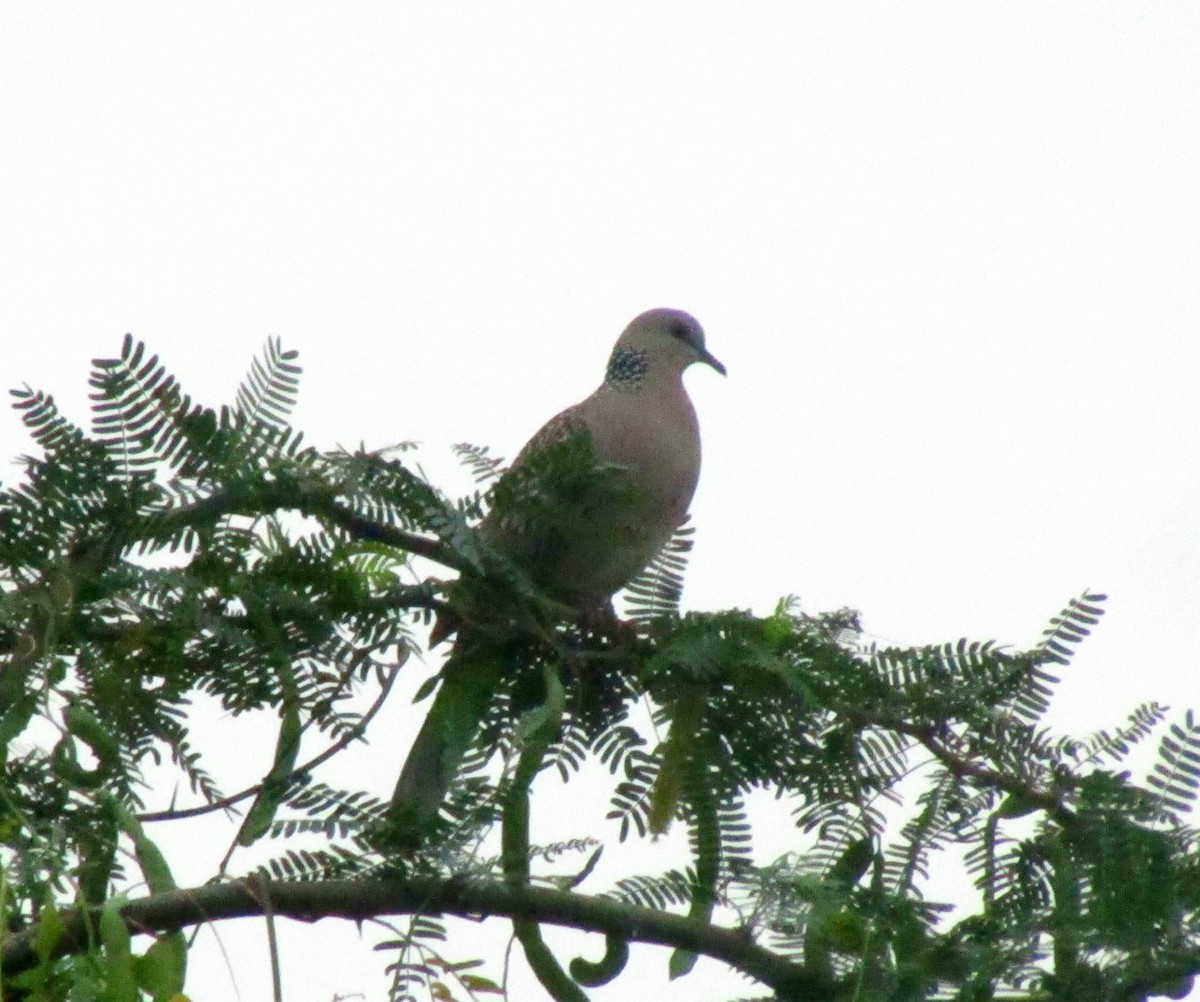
<point x="708" y="359"/>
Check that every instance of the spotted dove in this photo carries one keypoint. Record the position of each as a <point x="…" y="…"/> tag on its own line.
<point x="639" y="421"/>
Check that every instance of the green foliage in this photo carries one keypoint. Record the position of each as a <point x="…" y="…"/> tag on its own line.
<point x="658" y="590"/>
<point x="175" y="552"/>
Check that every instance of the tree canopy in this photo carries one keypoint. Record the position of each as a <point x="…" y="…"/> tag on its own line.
<point x="173" y="549"/>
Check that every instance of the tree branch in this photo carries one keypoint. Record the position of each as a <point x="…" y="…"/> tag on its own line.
<point x="965" y="768"/>
<point x="314" y="498"/>
<point x="363" y="899"/>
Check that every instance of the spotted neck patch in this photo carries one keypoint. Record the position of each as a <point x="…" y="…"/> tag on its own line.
<point x="626" y="367"/>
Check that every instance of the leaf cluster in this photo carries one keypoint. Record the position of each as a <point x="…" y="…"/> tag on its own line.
<point x="174" y="553"/>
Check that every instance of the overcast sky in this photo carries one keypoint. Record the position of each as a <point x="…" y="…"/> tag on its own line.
<point x="949" y="253"/>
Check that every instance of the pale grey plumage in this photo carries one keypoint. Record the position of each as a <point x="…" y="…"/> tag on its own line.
<point x="640" y="419"/>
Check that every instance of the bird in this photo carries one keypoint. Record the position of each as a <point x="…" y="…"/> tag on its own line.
<point x="642" y="430"/>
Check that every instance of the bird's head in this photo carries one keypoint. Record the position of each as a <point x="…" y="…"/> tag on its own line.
<point x="664" y="340"/>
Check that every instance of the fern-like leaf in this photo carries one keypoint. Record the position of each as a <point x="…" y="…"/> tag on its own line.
<point x="268" y="393"/>
<point x="483" y="465"/>
<point x="657" y="591"/>
<point x="1059" y="640"/>
<point x="1068" y="629"/>
<point x="1115" y="744"/>
<point x="1176" y="774"/>
<point x="133" y="403"/>
<point x="40" y="414"/>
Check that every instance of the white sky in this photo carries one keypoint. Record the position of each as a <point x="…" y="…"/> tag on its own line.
<point x="949" y="252"/>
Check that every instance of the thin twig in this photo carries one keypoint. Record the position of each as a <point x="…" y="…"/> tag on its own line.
<point x="272" y="941"/>
<point x="352" y="734"/>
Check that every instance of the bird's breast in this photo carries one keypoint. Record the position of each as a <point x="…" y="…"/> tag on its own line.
<point x="656" y="437"/>
<point x="601" y="540"/>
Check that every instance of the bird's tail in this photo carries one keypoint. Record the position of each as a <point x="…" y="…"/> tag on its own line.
<point x="469" y="680"/>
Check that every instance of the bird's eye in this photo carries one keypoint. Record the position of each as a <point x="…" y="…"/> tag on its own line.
<point x="681" y="330"/>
